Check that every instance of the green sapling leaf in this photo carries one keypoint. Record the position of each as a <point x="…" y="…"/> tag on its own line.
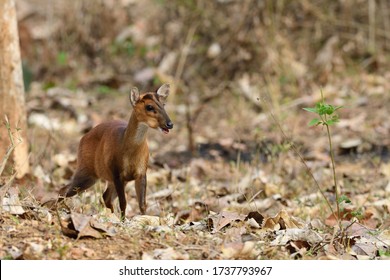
<point x="357" y="214"/>
<point x="344" y="198"/>
<point x="315" y="121"/>
<point x="321" y="109"/>
<point x="312" y="110"/>
<point x="331" y="122"/>
<point x="329" y="109"/>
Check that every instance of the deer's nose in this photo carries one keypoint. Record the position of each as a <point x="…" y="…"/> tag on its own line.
<point x="169" y="125"/>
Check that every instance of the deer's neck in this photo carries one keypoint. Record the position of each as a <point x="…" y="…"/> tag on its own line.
<point x="136" y="132"/>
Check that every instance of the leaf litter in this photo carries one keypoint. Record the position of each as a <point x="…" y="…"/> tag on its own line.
<point x="244" y="194"/>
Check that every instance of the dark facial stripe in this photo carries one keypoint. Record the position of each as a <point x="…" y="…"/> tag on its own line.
<point x="153" y="97"/>
<point x="149" y="96"/>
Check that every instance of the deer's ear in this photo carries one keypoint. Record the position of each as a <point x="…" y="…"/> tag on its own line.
<point x="134" y="96"/>
<point x="163" y="92"/>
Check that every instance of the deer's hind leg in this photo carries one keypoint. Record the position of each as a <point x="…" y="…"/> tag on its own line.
<point x="109" y="195"/>
<point x="81" y="181"/>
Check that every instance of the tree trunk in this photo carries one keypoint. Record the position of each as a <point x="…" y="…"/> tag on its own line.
<point x="12" y="104"/>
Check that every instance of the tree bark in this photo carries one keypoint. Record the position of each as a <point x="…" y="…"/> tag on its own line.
<point x="12" y="101"/>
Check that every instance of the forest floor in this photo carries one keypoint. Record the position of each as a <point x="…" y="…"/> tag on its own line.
<point x="242" y="193"/>
<point x="244" y="196"/>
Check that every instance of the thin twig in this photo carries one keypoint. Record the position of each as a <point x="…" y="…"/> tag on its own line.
<point x="324" y="120"/>
<point x="334" y="172"/>
<point x="10" y="148"/>
<point x="184" y="54"/>
<point x="5" y="159"/>
<point x="294" y="148"/>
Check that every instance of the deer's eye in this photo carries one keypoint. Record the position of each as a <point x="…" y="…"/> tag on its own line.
<point x="149" y="108"/>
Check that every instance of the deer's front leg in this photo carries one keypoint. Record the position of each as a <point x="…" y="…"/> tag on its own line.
<point x="120" y="190"/>
<point x="140" y="189"/>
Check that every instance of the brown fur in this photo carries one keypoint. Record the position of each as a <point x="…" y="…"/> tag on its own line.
<point x="117" y="152"/>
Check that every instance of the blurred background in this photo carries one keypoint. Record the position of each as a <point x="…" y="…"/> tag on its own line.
<point x="240" y="73"/>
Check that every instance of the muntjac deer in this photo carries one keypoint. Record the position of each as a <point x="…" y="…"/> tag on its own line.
<point x="117" y="152"/>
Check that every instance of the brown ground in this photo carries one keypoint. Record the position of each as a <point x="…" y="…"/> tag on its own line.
<point x="243" y="192"/>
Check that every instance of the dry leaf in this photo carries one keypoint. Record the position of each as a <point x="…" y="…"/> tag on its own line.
<point x="351" y="143"/>
<point x="281" y="221"/>
<point x="382" y="240"/>
<point x="82" y="224"/>
<point x="234" y="234"/>
<point x="356" y="229"/>
<point x="198" y="212"/>
<point x="67" y="229"/>
<point x="39" y="173"/>
<point x="365" y="249"/>
<point x="165" y="254"/>
<point x="10" y="202"/>
<point x="234" y="250"/>
<point x="33" y="251"/>
<point x="63" y="159"/>
<point x="332" y="218"/>
<point x="223" y="219"/>
<point x="296" y="234"/>
<point x="105" y="229"/>
<point x="16" y="253"/>
<point x="142" y="222"/>
<point x="255" y="219"/>
<point x="385" y="170"/>
<point x="317" y="224"/>
<point x="82" y="252"/>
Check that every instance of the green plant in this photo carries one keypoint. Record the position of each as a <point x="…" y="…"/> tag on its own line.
<point x="103" y="89"/>
<point x="291" y="145"/>
<point x="384" y="252"/>
<point x="62" y="250"/>
<point x="8" y="257"/>
<point x="327" y="116"/>
<point x="62" y="58"/>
